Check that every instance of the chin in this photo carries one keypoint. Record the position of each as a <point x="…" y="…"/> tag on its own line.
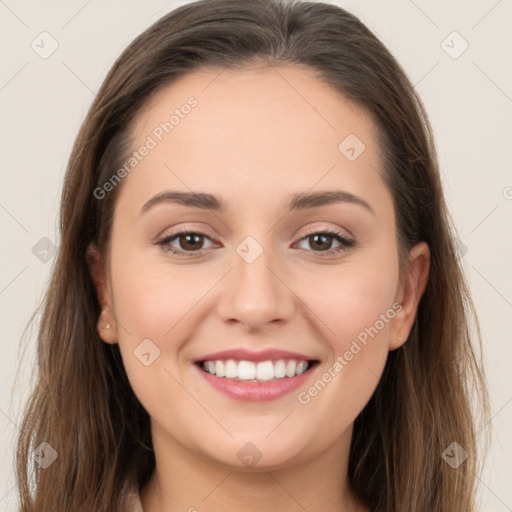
<point x="257" y="454"/>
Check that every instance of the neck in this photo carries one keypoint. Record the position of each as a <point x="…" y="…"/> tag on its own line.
<point x="184" y="481"/>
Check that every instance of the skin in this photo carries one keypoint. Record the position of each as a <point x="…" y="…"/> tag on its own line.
<point x="253" y="140"/>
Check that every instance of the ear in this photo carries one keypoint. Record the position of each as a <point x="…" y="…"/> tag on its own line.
<point x="106" y="324"/>
<point x="409" y="294"/>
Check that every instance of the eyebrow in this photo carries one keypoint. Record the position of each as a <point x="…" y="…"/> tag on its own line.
<point x="297" y="201"/>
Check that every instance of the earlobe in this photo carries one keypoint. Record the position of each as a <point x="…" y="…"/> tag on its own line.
<point x="106" y="325"/>
<point x="412" y="290"/>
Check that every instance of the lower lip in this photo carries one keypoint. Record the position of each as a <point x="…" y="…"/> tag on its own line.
<point x="257" y="391"/>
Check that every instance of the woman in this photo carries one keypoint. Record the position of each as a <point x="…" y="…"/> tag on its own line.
<point x="200" y="348"/>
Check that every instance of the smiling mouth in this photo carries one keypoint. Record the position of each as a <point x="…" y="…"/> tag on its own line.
<point x="262" y="371"/>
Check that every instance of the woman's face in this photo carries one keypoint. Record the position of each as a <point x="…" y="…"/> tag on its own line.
<point x="261" y="279"/>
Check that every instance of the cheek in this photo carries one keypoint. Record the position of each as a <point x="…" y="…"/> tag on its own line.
<point x="357" y="304"/>
<point x="353" y="298"/>
<point x="152" y="297"/>
<point x="154" y="301"/>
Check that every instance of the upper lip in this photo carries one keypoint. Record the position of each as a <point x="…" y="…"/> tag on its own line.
<point x="243" y="354"/>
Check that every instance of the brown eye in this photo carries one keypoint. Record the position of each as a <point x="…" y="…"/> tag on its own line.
<point x="188" y="242"/>
<point x="321" y="242"/>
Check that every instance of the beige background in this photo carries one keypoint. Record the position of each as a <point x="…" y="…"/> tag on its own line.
<point x="469" y="100"/>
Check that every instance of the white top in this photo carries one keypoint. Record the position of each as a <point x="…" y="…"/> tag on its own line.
<point x="135" y="505"/>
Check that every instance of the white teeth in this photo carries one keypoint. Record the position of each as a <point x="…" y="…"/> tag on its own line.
<point x="301" y="367"/>
<point x="262" y="371"/>
<point x="291" y="366"/>
<point x="231" y="369"/>
<point x="219" y="368"/>
<point x="279" y="369"/>
<point x="265" y="370"/>
<point x="246" y="370"/>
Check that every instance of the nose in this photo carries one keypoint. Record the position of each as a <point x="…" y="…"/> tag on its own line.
<point x="256" y="294"/>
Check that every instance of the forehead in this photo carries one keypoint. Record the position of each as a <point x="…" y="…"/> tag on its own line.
<point x="254" y="130"/>
<point x="264" y="100"/>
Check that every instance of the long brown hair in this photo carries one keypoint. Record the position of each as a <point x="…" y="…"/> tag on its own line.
<point x="83" y="405"/>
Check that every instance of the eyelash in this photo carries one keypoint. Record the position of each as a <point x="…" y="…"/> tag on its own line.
<point x="345" y="246"/>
